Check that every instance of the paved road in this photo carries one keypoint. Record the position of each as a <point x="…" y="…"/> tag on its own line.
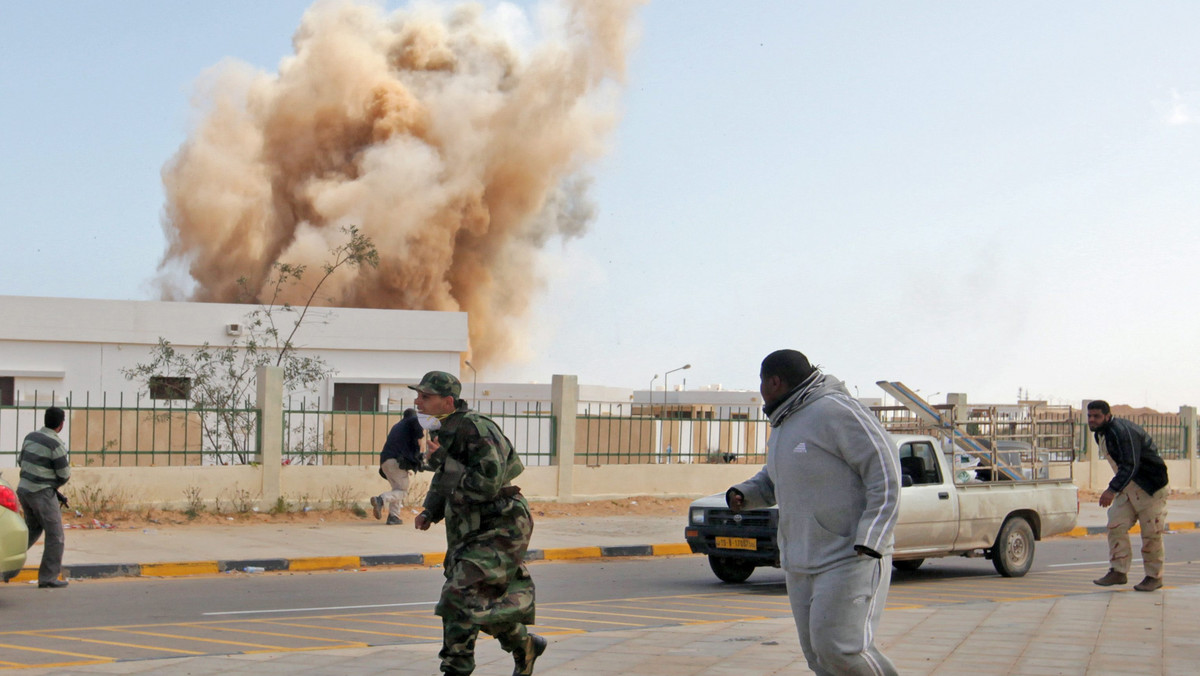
<point x="147" y="619"/>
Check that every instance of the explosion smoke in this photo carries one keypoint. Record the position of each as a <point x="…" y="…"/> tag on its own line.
<point x="456" y="151"/>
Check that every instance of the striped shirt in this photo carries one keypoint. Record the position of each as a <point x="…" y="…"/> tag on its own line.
<point x="44" y="461"/>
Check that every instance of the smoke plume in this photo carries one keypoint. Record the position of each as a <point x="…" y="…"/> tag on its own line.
<point x="457" y="139"/>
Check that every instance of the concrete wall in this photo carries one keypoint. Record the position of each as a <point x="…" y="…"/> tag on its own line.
<point x="222" y="486"/>
<point x="1180" y="472"/>
<point x="170" y="487"/>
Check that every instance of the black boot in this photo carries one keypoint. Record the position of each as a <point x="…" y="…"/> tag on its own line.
<point x="526" y="656"/>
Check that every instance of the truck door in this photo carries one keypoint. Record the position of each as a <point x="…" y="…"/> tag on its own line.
<point x="929" y="507"/>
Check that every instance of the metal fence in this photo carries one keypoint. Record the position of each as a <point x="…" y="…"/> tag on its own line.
<point x="316" y="434"/>
<point x="1169" y="434"/>
<point x="103" y="431"/>
<point x="608" y="433"/>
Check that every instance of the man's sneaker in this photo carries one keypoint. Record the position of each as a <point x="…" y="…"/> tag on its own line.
<point x="394" y="520"/>
<point x="377" y="506"/>
<point x="59" y="584"/>
<point x="1110" y="578"/>
<point x="525" y="657"/>
<point x="1149" y="584"/>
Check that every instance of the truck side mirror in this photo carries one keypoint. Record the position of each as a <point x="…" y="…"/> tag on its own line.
<point x="906" y="480"/>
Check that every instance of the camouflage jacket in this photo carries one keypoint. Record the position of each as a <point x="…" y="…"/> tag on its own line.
<point x="472" y="465"/>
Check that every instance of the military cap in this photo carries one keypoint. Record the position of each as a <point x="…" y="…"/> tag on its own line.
<point x="439" y="384"/>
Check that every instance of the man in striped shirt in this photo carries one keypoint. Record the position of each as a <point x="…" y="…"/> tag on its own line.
<point x="44" y="469"/>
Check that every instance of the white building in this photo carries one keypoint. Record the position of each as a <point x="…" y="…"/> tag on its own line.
<point x="80" y="347"/>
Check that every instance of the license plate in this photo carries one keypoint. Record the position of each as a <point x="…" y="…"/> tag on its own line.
<point x="737" y="543"/>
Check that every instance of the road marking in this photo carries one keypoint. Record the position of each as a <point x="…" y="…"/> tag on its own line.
<point x="367" y="620"/>
<point x="102" y="658"/>
<point x="243" y="630"/>
<point x="1088" y="563"/>
<point x="724" y="614"/>
<point x="184" y="637"/>
<point x="49" y="633"/>
<point x="305" y="610"/>
<point x="356" y="631"/>
<point x="543" y="616"/>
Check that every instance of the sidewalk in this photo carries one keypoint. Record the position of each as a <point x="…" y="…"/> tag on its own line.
<point x="1106" y="632"/>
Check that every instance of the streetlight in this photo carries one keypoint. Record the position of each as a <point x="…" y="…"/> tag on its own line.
<point x="474" y="380"/>
<point x="652" y="394"/>
<point x="665" y="390"/>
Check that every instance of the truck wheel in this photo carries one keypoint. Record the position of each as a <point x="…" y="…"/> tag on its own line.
<point x="1012" y="555"/>
<point x="730" y="570"/>
<point x="907" y="564"/>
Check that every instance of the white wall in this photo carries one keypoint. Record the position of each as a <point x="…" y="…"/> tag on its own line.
<point x="81" y="345"/>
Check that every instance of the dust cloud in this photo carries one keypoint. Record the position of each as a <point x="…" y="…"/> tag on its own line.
<point x="456" y="138"/>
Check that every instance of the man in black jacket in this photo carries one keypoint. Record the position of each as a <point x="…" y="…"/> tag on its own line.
<point x="401" y="454"/>
<point x="1137" y="492"/>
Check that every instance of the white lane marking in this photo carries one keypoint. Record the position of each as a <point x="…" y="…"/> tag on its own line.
<point x="308" y="610"/>
<point x="1089" y="563"/>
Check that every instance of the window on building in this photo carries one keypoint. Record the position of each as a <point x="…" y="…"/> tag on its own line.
<point x="355" y="396"/>
<point x="170" y="387"/>
<point x="8" y="390"/>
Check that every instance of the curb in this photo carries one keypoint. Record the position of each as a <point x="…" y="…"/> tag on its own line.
<point x="1172" y="526"/>
<point x="92" y="571"/>
<point x="86" y="571"/>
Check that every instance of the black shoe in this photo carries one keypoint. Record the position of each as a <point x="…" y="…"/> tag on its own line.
<point x="53" y="584"/>
<point x="377" y="506"/>
<point x="1149" y="584"/>
<point x="525" y="657"/>
<point x="394" y="520"/>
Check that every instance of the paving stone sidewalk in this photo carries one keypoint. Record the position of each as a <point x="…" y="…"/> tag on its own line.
<point x="1107" y="633"/>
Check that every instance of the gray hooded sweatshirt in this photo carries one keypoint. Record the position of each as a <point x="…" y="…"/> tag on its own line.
<point x="834" y="472"/>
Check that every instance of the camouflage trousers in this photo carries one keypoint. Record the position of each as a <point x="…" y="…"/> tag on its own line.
<point x="458" y="643"/>
<point x="487" y="585"/>
<point x="1134" y="505"/>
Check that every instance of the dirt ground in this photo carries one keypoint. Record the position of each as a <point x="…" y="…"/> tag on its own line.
<point x="639" y="506"/>
<point x="642" y="505"/>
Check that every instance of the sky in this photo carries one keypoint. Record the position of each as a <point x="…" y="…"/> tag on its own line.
<point x="996" y="199"/>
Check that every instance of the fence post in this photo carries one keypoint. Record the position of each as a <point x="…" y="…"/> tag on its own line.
<point x="564" y="404"/>
<point x="1187" y="418"/>
<point x="270" y="430"/>
<point x="1092" y="448"/>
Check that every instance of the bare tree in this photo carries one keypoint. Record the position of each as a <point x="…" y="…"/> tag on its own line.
<point x="220" y="379"/>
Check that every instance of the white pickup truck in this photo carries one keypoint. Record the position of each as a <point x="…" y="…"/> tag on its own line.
<point x="999" y="519"/>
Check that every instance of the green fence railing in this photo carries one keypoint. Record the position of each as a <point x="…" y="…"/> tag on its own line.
<point x="318" y="434"/>
<point x="608" y="433"/>
<point x="1168" y="432"/>
<point x="104" y="431"/>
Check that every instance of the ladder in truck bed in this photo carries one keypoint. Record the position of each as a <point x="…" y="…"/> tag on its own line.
<point x="964" y="442"/>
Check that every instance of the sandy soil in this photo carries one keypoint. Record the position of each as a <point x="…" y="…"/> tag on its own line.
<point x="637" y="506"/>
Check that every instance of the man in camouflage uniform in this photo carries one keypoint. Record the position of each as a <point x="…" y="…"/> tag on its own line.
<point x="488" y="526"/>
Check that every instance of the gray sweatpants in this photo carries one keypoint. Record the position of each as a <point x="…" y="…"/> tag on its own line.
<point x="42" y="514"/>
<point x="837" y="613"/>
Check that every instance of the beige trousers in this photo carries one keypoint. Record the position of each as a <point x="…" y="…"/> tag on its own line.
<point x="1134" y="505"/>
<point x="398" y="478"/>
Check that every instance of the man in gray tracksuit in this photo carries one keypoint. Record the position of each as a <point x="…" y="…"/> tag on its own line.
<point x="835" y="475"/>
